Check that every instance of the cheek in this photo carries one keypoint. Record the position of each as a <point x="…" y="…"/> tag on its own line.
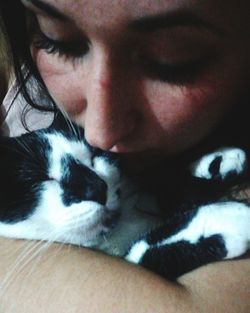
<point x="62" y="82"/>
<point x="184" y="115"/>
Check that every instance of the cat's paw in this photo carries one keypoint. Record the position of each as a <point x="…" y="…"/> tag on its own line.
<point x="221" y="164"/>
<point x="137" y="251"/>
<point x="228" y="220"/>
<point x="235" y="230"/>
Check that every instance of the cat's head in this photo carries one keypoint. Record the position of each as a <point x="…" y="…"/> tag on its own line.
<point x="56" y="187"/>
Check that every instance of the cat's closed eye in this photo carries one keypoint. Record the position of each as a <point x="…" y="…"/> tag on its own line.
<point x="59" y="188"/>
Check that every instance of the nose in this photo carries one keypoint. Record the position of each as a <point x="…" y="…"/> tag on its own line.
<point x="111" y="112"/>
<point x="96" y="192"/>
<point x="79" y="183"/>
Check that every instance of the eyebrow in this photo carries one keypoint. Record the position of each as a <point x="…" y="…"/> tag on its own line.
<point x="148" y="23"/>
<point x="48" y="9"/>
<point x="173" y="19"/>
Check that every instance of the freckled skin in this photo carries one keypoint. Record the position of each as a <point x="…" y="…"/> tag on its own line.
<point x="122" y="108"/>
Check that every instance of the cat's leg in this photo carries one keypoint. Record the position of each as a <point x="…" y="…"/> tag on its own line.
<point x="211" y="233"/>
<point x="221" y="164"/>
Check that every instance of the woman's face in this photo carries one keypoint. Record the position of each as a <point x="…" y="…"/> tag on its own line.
<point x="143" y="76"/>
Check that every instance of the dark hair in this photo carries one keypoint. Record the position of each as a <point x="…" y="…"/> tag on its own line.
<point x="16" y="36"/>
<point x="233" y="130"/>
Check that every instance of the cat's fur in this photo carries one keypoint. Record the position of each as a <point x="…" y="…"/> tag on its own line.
<point x="56" y="187"/>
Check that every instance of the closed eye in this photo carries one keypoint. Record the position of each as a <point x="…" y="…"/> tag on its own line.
<point x="175" y="73"/>
<point x="69" y="50"/>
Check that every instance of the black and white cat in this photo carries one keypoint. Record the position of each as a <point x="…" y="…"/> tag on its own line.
<point x="56" y="187"/>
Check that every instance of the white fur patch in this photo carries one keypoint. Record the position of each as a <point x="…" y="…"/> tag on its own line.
<point x="231" y="220"/>
<point x="111" y="175"/>
<point x="137" y="251"/>
<point x="78" y="223"/>
<point x="79" y="151"/>
<point x="62" y="146"/>
<point x="233" y="159"/>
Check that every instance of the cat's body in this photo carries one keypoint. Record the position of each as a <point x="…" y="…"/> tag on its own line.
<point x="56" y="187"/>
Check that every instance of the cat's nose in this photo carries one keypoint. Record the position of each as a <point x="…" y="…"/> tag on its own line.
<point x="80" y="183"/>
<point x="97" y="192"/>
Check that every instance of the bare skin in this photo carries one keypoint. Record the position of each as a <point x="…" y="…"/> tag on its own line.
<point x="73" y="280"/>
<point x="134" y="112"/>
<point x="118" y="80"/>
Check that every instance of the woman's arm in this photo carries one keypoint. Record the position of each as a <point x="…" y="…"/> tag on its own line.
<point x="68" y="279"/>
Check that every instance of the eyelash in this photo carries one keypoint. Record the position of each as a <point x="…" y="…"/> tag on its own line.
<point x="68" y="50"/>
<point x="180" y="73"/>
<point x="177" y="74"/>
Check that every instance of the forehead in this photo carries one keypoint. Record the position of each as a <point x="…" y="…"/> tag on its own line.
<point x="226" y="14"/>
<point x="110" y="14"/>
<point x="112" y="8"/>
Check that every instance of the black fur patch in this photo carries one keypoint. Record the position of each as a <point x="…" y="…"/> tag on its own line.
<point x="81" y="183"/>
<point x="174" y="260"/>
<point x="171" y="227"/>
<point x="214" y="167"/>
<point x="23" y="167"/>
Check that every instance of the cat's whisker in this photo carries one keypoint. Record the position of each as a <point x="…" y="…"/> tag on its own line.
<point x="64" y="238"/>
<point x="55" y="236"/>
<point x="69" y="123"/>
<point x="79" y="133"/>
<point x="105" y="239"/>
<point x="73" y="127"/>
<point x="76" y="222"/>
<point x="11" y="148"/>
<point x="16" y="203"/>
<point x="36" y="257"/>
<point x="71" y="216"/>
<point x="68" y="239"/>
<point x="30" y="153"/>
<point x="25" y="257"/>
<point x="77" y="216"/>
<point x="23" y="144"/>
